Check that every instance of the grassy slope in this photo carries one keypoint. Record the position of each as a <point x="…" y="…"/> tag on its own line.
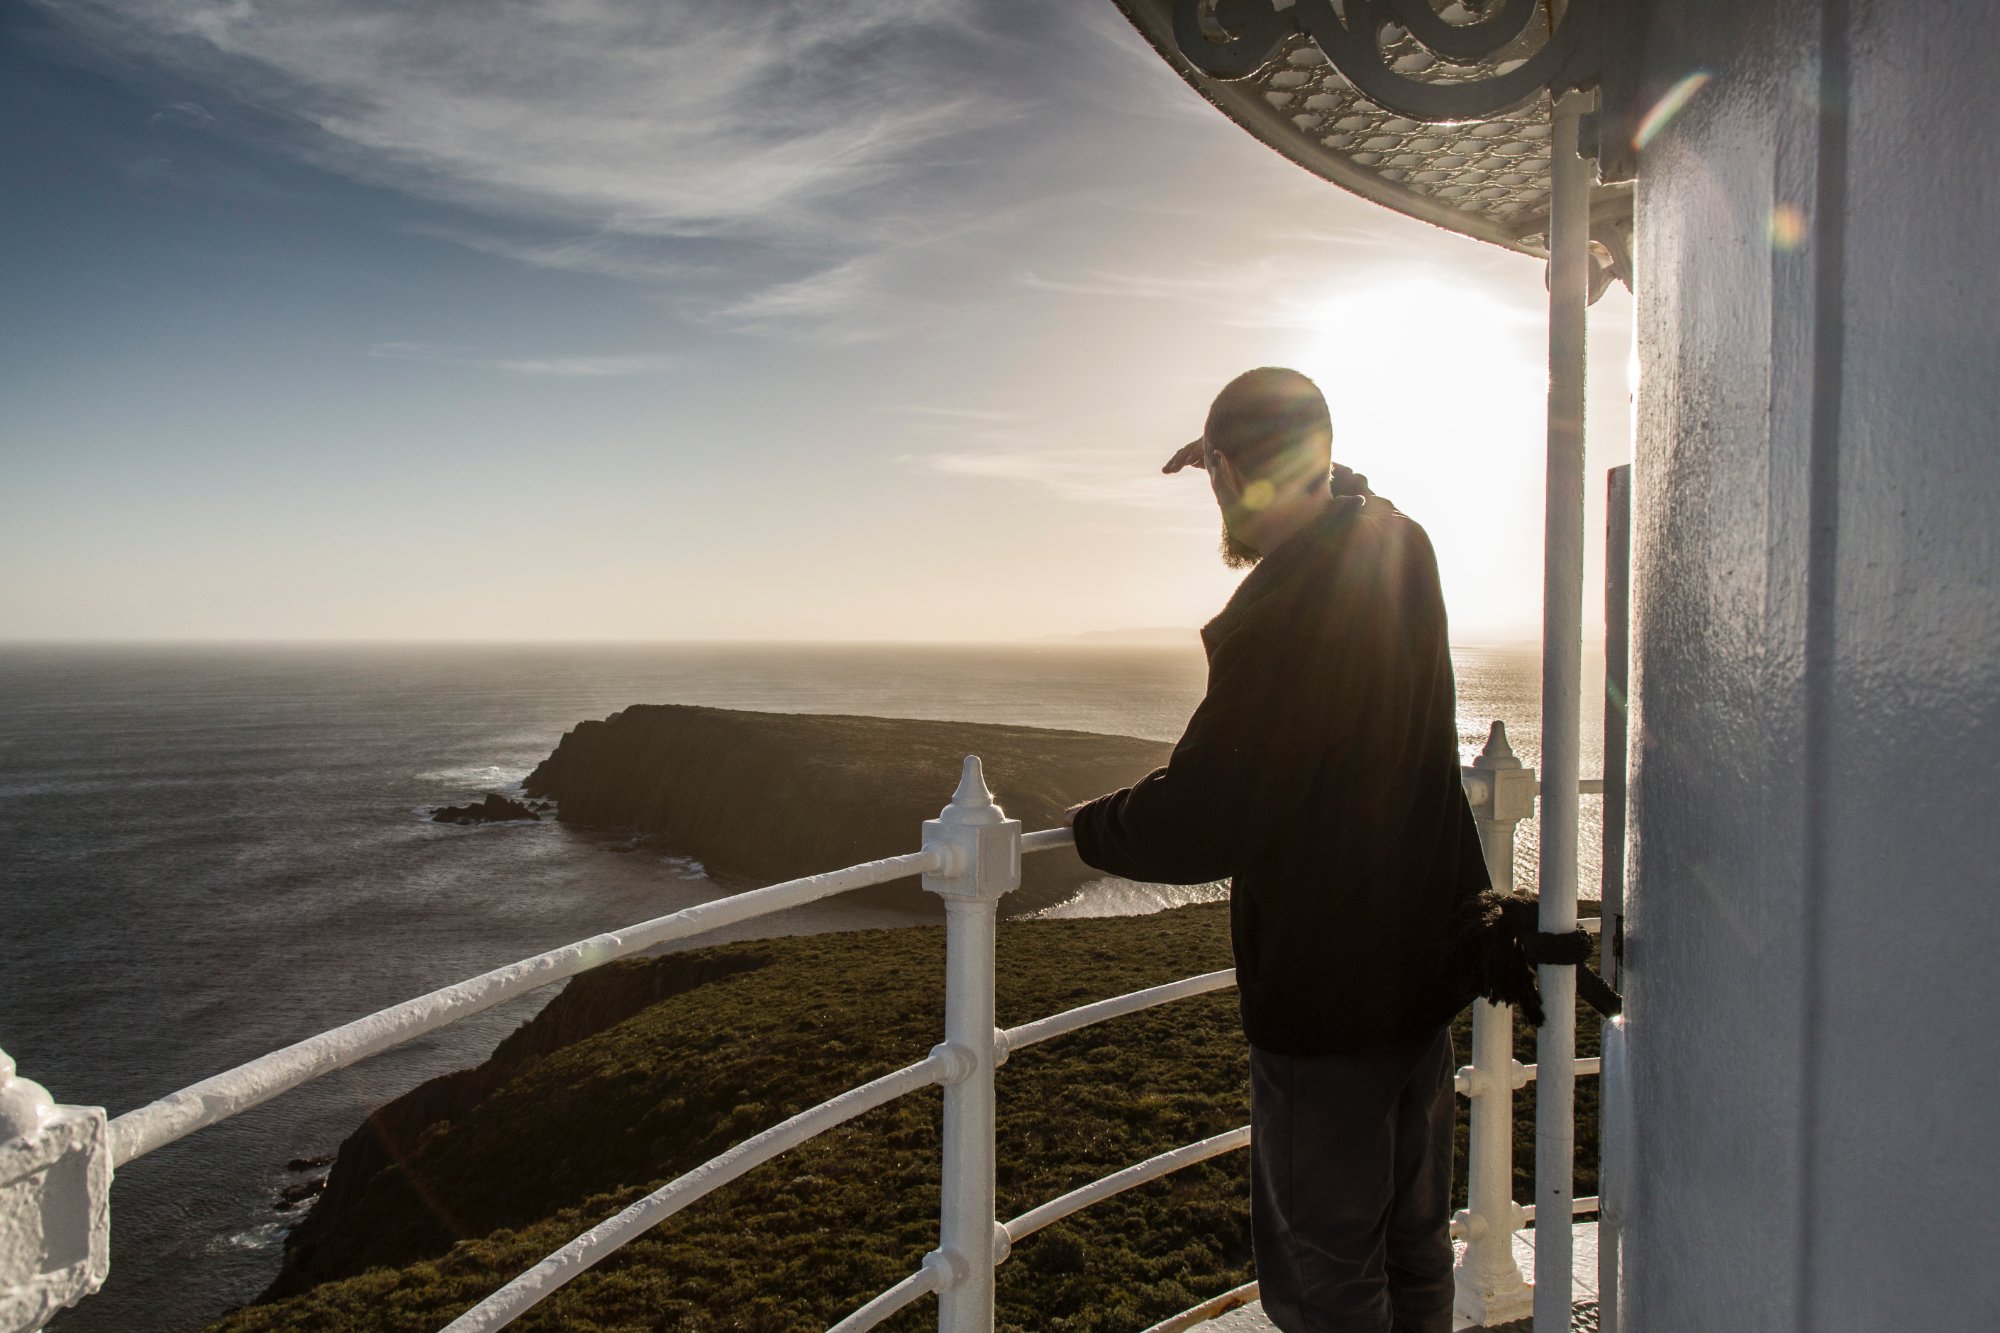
<point x="801" y="1241"/>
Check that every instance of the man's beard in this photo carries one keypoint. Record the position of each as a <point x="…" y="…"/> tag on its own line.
<point x="1237" y="553"/>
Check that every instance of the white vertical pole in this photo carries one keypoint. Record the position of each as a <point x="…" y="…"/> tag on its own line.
<point x="1562" y="670"/>
<point x="1489" y="1286"/>
<point x="980" y="851"/>
<point x="965" y="1215"/>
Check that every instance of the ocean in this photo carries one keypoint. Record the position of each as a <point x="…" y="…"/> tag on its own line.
<point x="211" y="852"/>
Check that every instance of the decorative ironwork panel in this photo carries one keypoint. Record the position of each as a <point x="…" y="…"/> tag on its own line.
<point x="1497" y="167"/>
<point x="1468" y="60"/>
<point x="1439" y="109"/>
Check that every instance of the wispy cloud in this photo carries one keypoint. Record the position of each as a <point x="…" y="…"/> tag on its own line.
<point x="632" y="258"/>
<point x="1086" y="476"/>
<point x="691" y="119"/>
<point x="841" y="304"/>
<point x="558" y="367"/>
<point x="768" y="166"/>
<point x="1262" y="293"/>
<point x="942" y="413"/>
<point x="193" y="115"/>
<point x="814" y="170"/>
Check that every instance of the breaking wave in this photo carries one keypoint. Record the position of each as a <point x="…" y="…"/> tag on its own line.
<point x="1124" y="897"/>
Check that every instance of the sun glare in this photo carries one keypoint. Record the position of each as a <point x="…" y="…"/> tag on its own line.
<point x="1437" y="389"/>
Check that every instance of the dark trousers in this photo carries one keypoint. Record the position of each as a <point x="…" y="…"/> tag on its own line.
<point x="1350" y="1189"/>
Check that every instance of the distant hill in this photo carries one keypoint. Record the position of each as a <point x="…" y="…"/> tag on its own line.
<point x="763" y="797"/>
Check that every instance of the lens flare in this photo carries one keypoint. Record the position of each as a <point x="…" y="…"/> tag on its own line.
<point x="1669" y="106"/>
<point x="1788" y="227"/>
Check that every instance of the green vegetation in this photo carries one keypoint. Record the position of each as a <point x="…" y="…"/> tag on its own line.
<point x="769" y="1029"/>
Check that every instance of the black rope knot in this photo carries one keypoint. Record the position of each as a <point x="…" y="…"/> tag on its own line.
<point x="1508" y="944"/>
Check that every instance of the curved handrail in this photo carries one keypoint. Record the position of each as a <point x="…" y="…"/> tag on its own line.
<point x="1055" y="1025"/>
<point x="236" y="1090"/>
<point x="601" y="1241"/>
<point x="517" y="1297"/>
<point x="1028" y="1223"/>
<point x="1212" y="1308"/>
<point x="1166" y="1163"/>
<point x="920" y="1283"/>
<point x="1042" y="1029"/>
<point x="214" y="1099"/>
<point x="178" y="1114"/>
<point x="1042" y="840"/>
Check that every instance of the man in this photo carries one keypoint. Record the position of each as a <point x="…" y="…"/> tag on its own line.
<point x="1321" y="772"/>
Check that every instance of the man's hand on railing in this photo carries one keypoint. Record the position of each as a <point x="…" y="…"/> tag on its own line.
<point x="1069" y="815"/>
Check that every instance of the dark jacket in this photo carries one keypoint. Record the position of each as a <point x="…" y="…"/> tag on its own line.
<point x="1321" y="772"/>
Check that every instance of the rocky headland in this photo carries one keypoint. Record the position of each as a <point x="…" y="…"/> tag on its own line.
<point x="763" y="797"/>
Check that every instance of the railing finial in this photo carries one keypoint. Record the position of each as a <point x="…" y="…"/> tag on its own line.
<point x="973" y="802"/>
<point x="972" y="789"/>
<point x="1498" y="753"/>
<point x="25" y="1105"/>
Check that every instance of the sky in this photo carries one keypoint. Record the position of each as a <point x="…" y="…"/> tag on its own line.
<point x="629" y="320"/>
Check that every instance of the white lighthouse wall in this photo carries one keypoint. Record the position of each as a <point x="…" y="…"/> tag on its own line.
<point x="1814" y="933"/>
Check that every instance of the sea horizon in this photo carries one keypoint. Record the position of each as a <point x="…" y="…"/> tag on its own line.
<point x="1112" y="635"/>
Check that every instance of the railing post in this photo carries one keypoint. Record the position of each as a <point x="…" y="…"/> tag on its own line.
<point x="980" y="862"/>
<point x="55" y="1202"/>
<point x="1490" y="1289"/>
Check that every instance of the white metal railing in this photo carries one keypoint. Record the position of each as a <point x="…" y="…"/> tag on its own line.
<point x="56" y="1161"/>
<point x="1491" y="1288"/>
<point x="215" y="1099"/>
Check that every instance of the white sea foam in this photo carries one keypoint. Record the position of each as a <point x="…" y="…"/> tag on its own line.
<point x="684" y="867"/>
<point x="485" y="776"/>
<point x="1124" y="897"/>
<point x="268" y="1236"/>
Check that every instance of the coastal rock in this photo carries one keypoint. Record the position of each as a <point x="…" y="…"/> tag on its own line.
<point x="763" y="797"/>
<point x="495" y="809"/>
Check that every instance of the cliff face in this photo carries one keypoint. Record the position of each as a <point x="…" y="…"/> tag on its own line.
<point x="763" y="797"/>
<point x="373" y="1211"/>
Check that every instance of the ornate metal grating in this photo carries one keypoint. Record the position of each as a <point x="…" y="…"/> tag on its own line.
<point x="1484" y="175"/>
